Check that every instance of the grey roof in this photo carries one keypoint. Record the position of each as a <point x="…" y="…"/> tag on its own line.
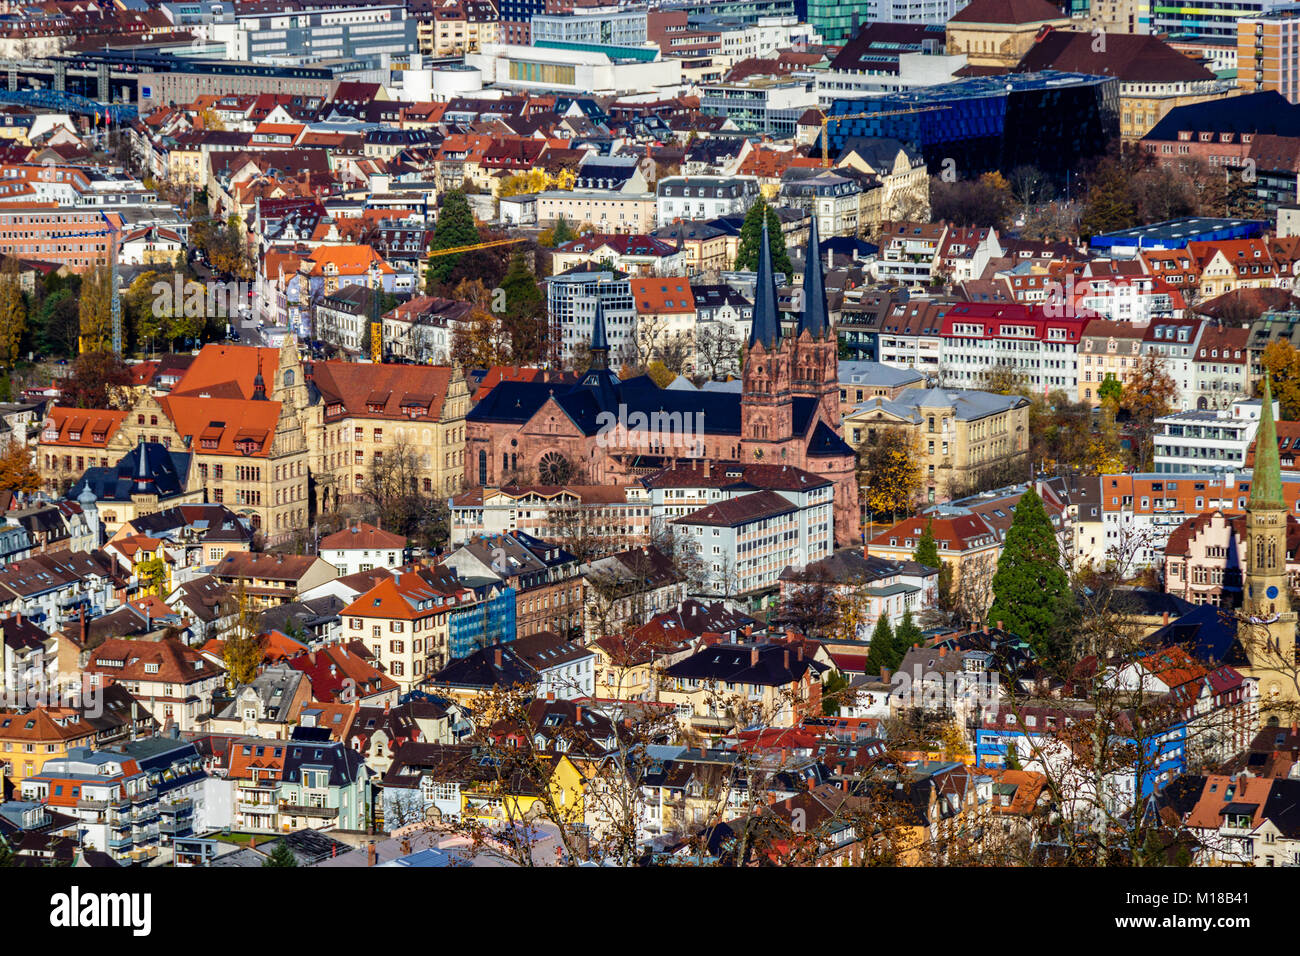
<point x="967" y="404"/>
<point x="877" y="374"/>
<point x="275" y="686"/>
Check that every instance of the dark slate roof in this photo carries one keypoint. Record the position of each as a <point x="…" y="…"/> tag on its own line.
<point x="1207" y="632"/>
<point x="1266" y="112"/>
<point x="345" y="765"/>
<point x="733" y="663"/>
<point x="164" y="474"/>
<point x="815" y="318"/>
<point x="766" y="326"/>
<point x="480" y="669"/>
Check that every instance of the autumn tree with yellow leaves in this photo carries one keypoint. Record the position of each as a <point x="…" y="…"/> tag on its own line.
<point x="13" y="312"/>
<point x="888" y="474"/>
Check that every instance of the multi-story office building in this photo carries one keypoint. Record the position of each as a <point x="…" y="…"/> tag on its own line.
<point x="767" y="104"/>
<point x="571" y="300"/>
<point x="1207" y="441"/>
<point x="978" y="336"/>
<point x="600" y="26"/>
<point x="1051" y="119"/>
<point x="331" y="29"/>
<point x="1268" y="53"/>
<point x="1219" y="19"/>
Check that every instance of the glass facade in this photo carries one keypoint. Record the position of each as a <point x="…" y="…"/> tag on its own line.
<point x="838" y="20"/>
<point x="1050" y="120"/>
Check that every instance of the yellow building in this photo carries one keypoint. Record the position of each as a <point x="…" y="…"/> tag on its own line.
<point x="957" y="433"/>
<point x="1107" y="349"/>
<point x="456" y="30"/>
<point x="377" y="420"/>
<point x="28" y="739"/>
<point x="521" y="797"/>
<point x="1000" y="32"/>
<point x="1266" y="54"/>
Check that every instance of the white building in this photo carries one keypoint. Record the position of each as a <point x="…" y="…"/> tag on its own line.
<point x="575" y="70"/>
<point x="744" y="541"/>
<point x="704" y="197"/>
<point x="1208" y="441"/>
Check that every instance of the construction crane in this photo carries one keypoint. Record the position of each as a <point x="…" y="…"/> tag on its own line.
<point x="827" y="120"/>
<point x="377" y="322"/>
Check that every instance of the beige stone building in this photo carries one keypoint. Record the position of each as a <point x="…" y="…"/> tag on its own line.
<point x="241" y="412"/>
<point x="1107" y="348"/>
<point x="376" y="420"/>
<point x="1000" y="32"/>
<point x="956" y="432"/>
<point x="607" y="210"/>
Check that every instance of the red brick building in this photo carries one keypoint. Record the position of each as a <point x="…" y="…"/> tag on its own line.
<point x="607" y="431"/>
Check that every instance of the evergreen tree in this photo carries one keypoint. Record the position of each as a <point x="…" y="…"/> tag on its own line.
<point x="561" y="231"/>
<point x="281" y="856"/>
<point x="880" y="655"/>
<point x="751" y="237"/>
<point x="455" y="227"/>
<point x="927" y="552"/>
<point x="1030" y="588"/>
<point x="525" y="312"/>
<point x="905" y="635"/>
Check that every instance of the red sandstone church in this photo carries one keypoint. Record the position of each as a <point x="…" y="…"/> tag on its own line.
<point x="605" y="431"/>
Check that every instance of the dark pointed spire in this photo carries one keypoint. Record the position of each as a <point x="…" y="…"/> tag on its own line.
<point x="259" y="383"/>
<point x="142" y="478"/>
<point x="816" y="316"/>
<point x="599" y="341"/>
<point x="1266" y="479"/>
<point x="766" y="327"/>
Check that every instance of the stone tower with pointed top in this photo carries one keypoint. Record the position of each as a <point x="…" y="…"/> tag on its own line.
<point x="1268" y="625"/>
<point x="767" y="402"/>
<point x="814" y="362"/>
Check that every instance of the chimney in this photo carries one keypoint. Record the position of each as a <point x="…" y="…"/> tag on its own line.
<point x="884" y="675"/>
<point x="799" y="651"/>
<point x="1164" y="618"/>
<point x="577" y="714"/>
<point x="311" y="656"/>
<point x="496" y="657"/>
<point x="252" y="842"/>
<point x="787" y="660"/>
<point x="999" y="625"/>
<point x="371" y="854"/>
<point x="388" y="706"/>
<point x="753" y="656"/>
<point x="943" y="652"/>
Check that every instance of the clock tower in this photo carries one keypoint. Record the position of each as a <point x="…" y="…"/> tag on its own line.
<point x="1267" y="627"/>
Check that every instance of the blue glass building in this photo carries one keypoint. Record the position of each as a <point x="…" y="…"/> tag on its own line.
<point x="1049" y="119"/>
<point x="491" y="621"/>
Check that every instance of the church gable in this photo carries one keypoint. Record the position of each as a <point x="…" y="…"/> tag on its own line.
<point x="551" y="421"/>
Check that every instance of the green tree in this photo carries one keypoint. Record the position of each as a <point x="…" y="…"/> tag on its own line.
<point x="281" y="856"/>
<point x="456" y="227"/>
<point x="833" y="689"/>
<point x="906" y="635"/>
<point x="1111" y="390"/>
<point x="751" y="237"/>
<point x="1030" y="588"/>
<point x="880" y="655"/>
<point x="562" y="231"/>
<point x="927" y="552"/>
<point x="525" y="312"/>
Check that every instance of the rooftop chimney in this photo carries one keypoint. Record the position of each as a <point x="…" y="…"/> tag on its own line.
<point x="786" y="660"/>
<point x="1164" y="618"/>
<point x="1000" y="625"/>
<point x="496" y="657"/>
<point x="753" y="656"/>
<point x="371" y="854"/>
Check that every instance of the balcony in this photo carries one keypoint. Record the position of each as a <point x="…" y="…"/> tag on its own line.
<point x="180" y="808"/>
<point x="120" y="842"/>
<point x="255" y="806"/>
<point x="297" y="809"/>
<point x="145" y="796"/>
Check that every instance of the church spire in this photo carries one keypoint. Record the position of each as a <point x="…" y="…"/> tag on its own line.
<point x="766" y="327"/>
<point x="599" y="341"/>
<point x="1266" y="480"/>
<point x="816" y="316"/>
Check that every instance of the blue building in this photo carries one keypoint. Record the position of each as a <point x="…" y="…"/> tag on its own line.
<point x="490" y="621"/>
<point x="1174" y="234"/>
<point x="1049" y="119"/>
<point x="1162" y="757"/>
